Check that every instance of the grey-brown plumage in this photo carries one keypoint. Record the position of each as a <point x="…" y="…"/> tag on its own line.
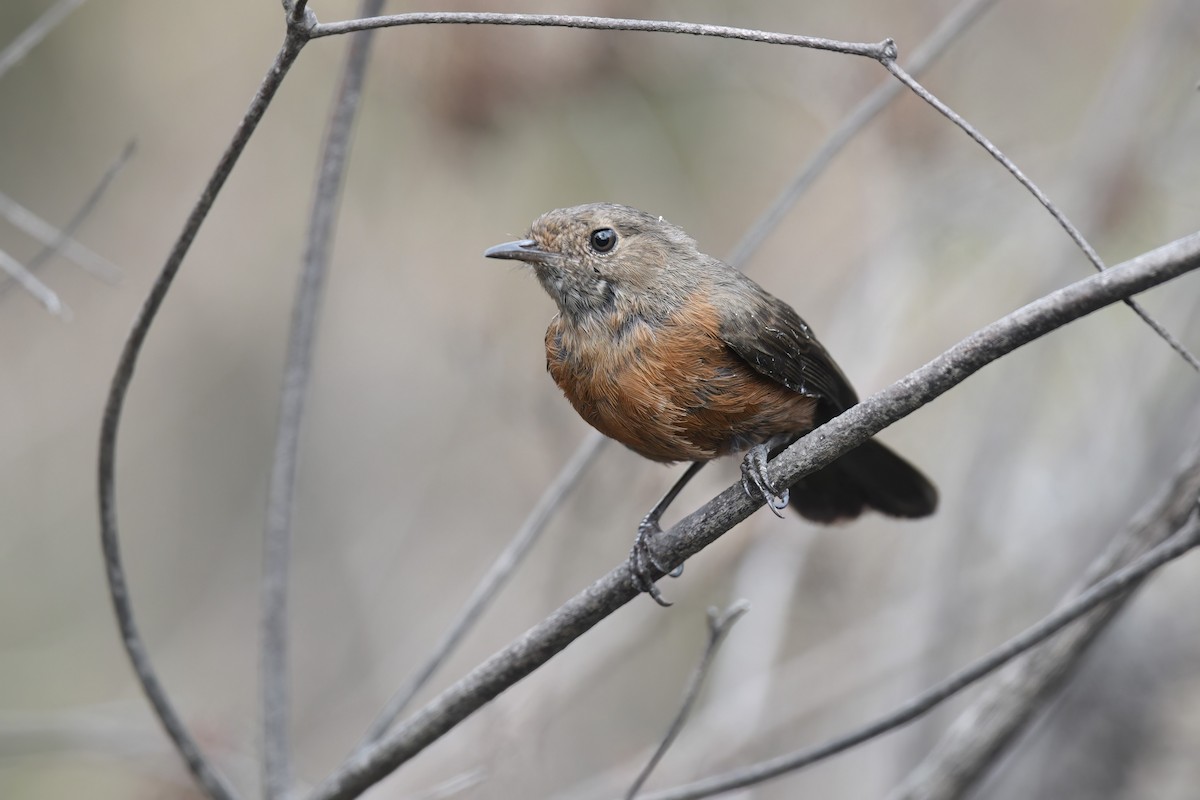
<point x="679" y="356"/>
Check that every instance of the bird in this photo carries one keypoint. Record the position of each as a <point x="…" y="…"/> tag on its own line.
<point x="681" y="357"/>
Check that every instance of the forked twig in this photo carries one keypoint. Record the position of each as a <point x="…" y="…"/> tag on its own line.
<point x="719" y="625"/>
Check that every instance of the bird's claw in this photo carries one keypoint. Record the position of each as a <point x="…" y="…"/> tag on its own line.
<point x="642" y="561"/>
<point x="756" y="485"/>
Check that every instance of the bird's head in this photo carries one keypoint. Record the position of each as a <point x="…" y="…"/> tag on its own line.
<point x="593" y="259"/>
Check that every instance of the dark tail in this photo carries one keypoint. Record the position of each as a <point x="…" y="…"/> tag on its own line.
<point x="868" y="477"/>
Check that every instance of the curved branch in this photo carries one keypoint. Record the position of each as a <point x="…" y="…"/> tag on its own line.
<point x="879" y="51"/>
<point x="210" y="781"/>
<point x="699" y="529"/>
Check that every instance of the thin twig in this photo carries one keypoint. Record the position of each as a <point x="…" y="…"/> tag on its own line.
<point x="277" y="773"/>
<point x="719" y="625"/>
<point x="1059" y="217"/>
<point x="18" y="48"/>
<point x="1115" y="585"/>
<point x="82" y="213"/>
<point x="490" y="585"/>
<point x="947" y="32"/>
<point x="50" y="236"/>
<point x="1008" y="704"/>
<point x="879" y="51"/>
<point x="211" y="782"/>
<point x="699" y="529"/>
<point x="30" y="283"/>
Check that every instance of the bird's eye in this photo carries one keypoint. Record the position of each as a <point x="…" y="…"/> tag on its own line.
<point x="603" y="239"/>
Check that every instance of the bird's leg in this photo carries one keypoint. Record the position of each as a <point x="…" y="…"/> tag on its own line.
<point x="641" y="561"/>
<point x="754" y="478"/>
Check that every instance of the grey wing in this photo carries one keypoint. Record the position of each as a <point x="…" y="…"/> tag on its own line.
<point x="770" y="336"/>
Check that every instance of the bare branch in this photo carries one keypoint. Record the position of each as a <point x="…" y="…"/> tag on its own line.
<point x="491" y="583"/>
<point x="1059" y="217"/>
<point x="82" y="213"/>
<point x="1007" y="706"/>
<point x="210" y="781"/>
<point x="719" y="625"/>
<point x="277" y="773"/>
<point x="29" y="282"/>
<point x="1116" y="585"/>
<point x="50" y="236"/>
<point x="702" y="527"/>
<point x="878" y="51"/>
<point x="947" y="32"/>
<point x="30" y="38"/>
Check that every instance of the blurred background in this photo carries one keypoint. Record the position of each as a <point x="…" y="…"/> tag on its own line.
<point x="433" y="428"/>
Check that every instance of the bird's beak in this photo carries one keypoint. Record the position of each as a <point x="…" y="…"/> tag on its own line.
<point x="520" y="250"/>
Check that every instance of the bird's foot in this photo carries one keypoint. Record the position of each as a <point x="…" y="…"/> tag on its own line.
<point x="642" y="561"/>
<point x="754" y="480"/>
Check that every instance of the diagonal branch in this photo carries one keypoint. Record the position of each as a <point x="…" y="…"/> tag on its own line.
<point x="19" y="47"/>
<point x="49" y="236"/>
<point x="699" y="529"/>
<point x="1007" y="706"/>
<point x="65" y="236"/>
<point x="335" y="153"/>
<point x="24" y="277"/>
<point x="211" y="782"/>
<point x="1113" y="589"/>
<point x="1041" y="197"/>
<point x="491" y="583"/>
<point x="947" y="32"/>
